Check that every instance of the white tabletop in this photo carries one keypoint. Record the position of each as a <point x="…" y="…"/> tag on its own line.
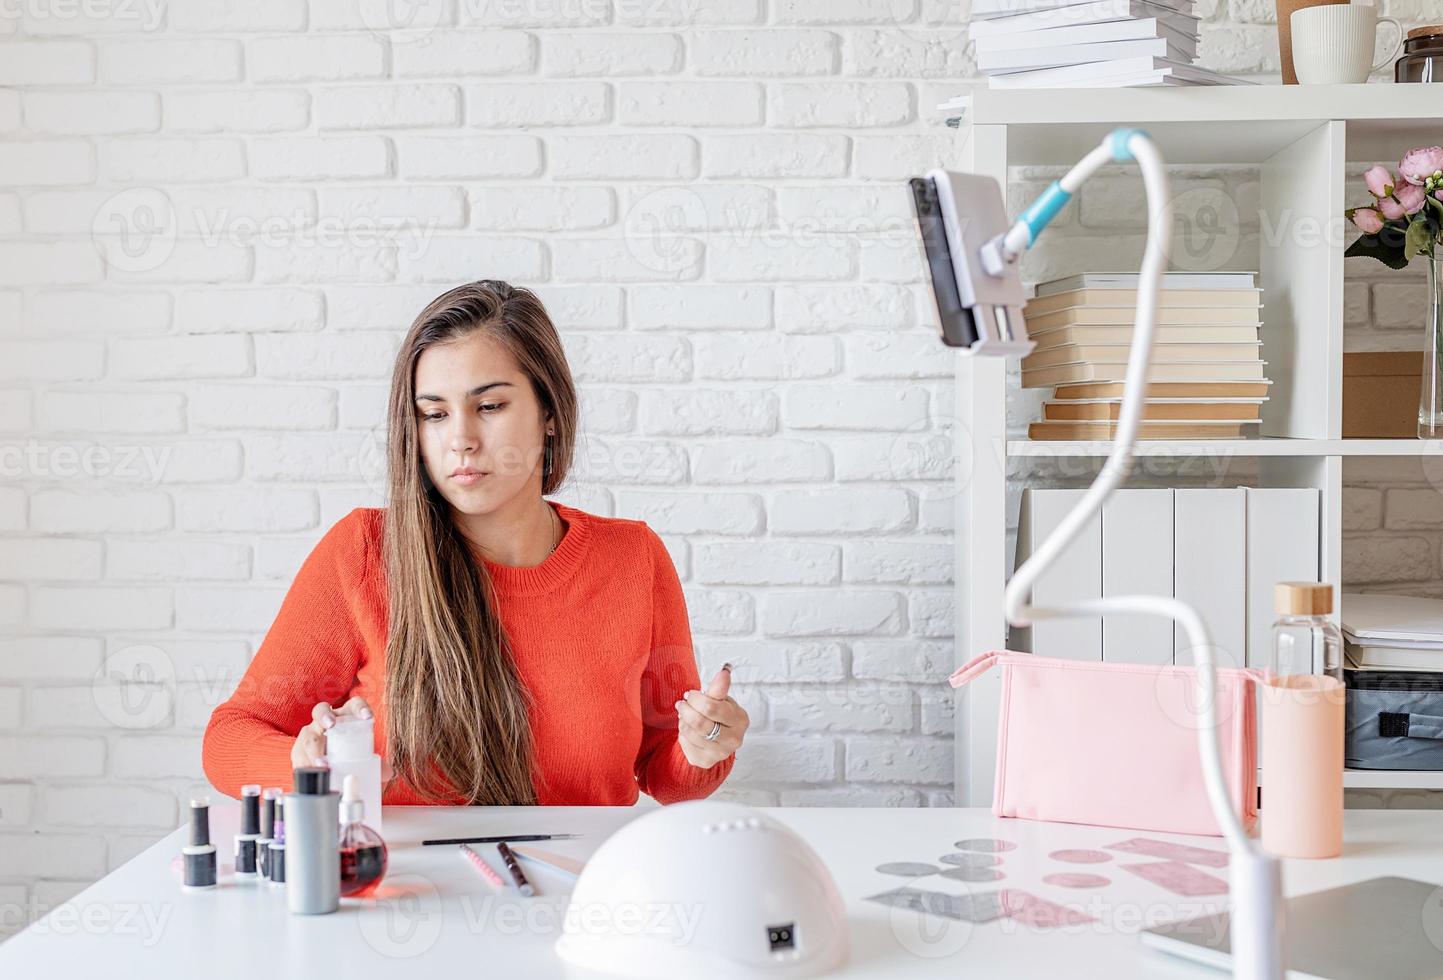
<point x="436" y="912"/>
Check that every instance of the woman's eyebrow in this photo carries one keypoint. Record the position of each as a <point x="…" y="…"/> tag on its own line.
<point x="478" y="390"/>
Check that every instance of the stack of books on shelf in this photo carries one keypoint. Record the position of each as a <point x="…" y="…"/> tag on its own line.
<point x="1392" y="632"/>
<point x="1088" y="43"/>
<point x="1207" y="379"/>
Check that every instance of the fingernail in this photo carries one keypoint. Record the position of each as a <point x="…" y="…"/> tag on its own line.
<point x="727" y="667"/>
<point x="690" y="693"/>
<point x="327" y="721"/>
<point x="678" y="704"/>
<point x="365" y="712"/>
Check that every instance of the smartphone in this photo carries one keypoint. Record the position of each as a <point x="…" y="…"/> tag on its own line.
<point x="955" y="321"/>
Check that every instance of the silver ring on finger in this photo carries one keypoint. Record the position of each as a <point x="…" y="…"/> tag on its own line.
<point x="715" y="731"/>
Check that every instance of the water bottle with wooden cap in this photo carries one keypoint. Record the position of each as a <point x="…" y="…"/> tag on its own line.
<point x="1305" y="641"/>
<point x="1301" y="747"/>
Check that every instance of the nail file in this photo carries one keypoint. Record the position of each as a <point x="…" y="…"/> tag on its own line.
<point x="556" y="862"/>
<point x="972" y="874"/>
<point x="1039" y="913"/>
<point x="1169" y="851"/>
<point x="1179" y="878"/>
<point x="1081" y="856"/>
<point x="982" y="907"/>
<point x="1011" y="903"/>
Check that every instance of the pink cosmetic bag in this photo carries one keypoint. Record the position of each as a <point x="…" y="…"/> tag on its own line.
<point x="1115" y="744"/>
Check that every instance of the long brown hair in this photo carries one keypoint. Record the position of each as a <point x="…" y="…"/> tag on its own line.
<point x="457" y="718"/>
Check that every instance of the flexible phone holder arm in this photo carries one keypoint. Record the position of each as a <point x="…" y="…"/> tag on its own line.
<point x="1256" y="921"/>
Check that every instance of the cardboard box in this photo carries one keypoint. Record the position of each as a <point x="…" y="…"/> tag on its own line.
<point x="1380" y="394"/>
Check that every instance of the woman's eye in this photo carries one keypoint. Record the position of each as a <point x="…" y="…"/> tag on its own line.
<point x="434" y="416"/>
<point x="494" y="407"/>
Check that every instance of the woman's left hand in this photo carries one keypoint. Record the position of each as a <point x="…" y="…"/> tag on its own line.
<point x="699" y="713"/>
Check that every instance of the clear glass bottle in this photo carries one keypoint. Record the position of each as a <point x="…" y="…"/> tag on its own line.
<point x="1300" y="733"/>
<point x="1305" y="640"/>
<point x="363" y="852"/>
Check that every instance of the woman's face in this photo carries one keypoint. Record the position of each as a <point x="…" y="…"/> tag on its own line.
<point x="480" y="426"/>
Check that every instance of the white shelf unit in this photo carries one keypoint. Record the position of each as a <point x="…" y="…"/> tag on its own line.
<point x="1300" y="138"/>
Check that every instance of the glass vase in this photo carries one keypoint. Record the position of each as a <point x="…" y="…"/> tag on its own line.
<point x="1430" y="397"/>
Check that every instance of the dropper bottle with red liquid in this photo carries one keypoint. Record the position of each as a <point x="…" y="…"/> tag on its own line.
<point x="363" y="852"/>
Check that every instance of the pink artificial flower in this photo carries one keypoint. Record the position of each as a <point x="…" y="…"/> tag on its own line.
<point x="1379" y="181"/>
<point x="1368" y="221"/>
<point x="1411" y="197"/>
<point x="1391" y="209"/>
<point x="1420" y="164"/>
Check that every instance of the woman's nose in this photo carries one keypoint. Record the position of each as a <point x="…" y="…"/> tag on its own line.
<point x="464" y="436"/>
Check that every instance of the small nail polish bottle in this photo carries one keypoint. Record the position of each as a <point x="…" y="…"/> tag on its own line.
<point x="363" y="852"/>
<point x="276" y="868"/>
<point x="199" y="854"/>
<point x="245" y="841"/>
<point x="268" y="832"/>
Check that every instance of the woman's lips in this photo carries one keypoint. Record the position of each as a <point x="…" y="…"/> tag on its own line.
<point x="469" y="478"/>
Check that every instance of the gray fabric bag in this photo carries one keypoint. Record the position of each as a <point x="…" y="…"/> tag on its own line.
<point x="1394" y="720"/>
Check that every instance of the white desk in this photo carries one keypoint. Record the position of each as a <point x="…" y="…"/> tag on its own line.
<point x="437" y="914"/>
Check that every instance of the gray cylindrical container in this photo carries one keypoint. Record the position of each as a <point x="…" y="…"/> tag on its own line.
<point x="313" y="862"/>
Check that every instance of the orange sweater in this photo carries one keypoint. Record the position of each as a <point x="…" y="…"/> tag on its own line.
<point x="600" y="635"/>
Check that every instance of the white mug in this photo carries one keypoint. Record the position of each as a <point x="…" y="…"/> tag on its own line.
<point x="1333" y="44"/>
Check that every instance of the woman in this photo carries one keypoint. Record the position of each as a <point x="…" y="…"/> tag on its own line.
<point x="512" y="649"/>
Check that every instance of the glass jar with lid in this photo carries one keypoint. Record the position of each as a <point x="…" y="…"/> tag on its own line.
<point x="1305" y="640"/>
<point x="1422" y="58"/>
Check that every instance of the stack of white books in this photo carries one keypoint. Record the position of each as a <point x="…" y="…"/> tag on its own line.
<point x="1207" y="379"/>
<point x="1088" y="43"/>
<point x="1392" y="632"/>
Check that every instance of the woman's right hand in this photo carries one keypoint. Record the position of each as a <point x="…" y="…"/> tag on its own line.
<point x="310" y="746"/>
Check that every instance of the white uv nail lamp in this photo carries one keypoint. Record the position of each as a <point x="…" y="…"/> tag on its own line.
<point x="705" y="889"/>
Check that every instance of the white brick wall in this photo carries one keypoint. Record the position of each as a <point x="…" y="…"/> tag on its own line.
<point x="218" y="218"/>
